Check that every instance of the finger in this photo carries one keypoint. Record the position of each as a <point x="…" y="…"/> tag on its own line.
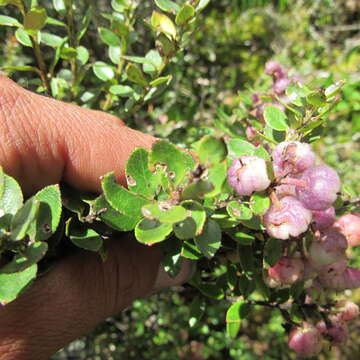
<point x="44" y="140"/>
<point x="72" y="298"/>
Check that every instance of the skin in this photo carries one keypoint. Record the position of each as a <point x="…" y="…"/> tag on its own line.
<point x="42" y="142"/>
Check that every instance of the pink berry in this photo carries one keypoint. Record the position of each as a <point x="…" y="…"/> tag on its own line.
<point x="348" y="310"/>
<point x="306" y="340"/>
<point x="292" y="157"/>
<point x="287" y="271"/>
<point x="327" y="248"/>
<point x="349" y="225"/>
<point x="248" y="174"/>
<point x="323" y="219"/>
<point x="287" y="218"/>
<point x="349" y="279"/>
<point x="337" y="332"/>
<point x="323" y="184"/>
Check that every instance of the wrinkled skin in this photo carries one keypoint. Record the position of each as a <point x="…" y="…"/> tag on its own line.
<point x="289" y="219"/>
<point x="292" y="157"/>
<point x="42" y="142"/>
<point x="248" y="174"/>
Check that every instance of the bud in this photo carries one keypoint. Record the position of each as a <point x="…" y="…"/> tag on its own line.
<point x="349" y="225"/>
<point x="323" y="184"/>
<point x="287" y="271"/>
<point x="306" y="340"/>
<point x="292" y="158"/>
<point x="348" y="310"/>
<point x="275" y="70"/>
<point x="248" y="174"/>
<point x="323" y="219"/>
<point x="281" y="85"/>
<point x="287" y="218"/>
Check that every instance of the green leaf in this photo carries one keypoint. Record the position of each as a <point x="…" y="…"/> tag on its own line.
<point x="154" y="64"/>
<point x="254" y="223"/>
<point x="67" y="53"/>
<point x="186" y="13"/>
<point x="316" y="98"/>
<point x="35" y="19"/>
<point x="114" y="53"/>
<point x="164" y="212"/>
<point x="196" y="311"/>
<point x="197" y="190"/>
<point x="121" y="90"/>
<point x="12" y="198"/>
<point x="10" y="2"/>
<point x="103" y="71"/>
<point x="163" y="24"/>
<point x="209" y="241"/>
<point x="139" y="177"/>
<point x="161" y="80"/>
<point x="23" y="37"/>
<point x="193" y="224"/>
<point x="83" y="237"/>
<point x="21" y="221"/>
<point x="135" y="75"/>
<point x="109" y="37"/>
<point x="178" y="162"/>
<point x="275" y="118"/>
<point x="167" y="46"/>
<point x="167" y="5"/>
<point x="113" y="218"/>
<point x="259" y="203"/>
<point x="216" y="176"/>
<point x="121" y="199"/>
<point x="72" y="201"/>
<point x="262" y="153"/>
<point x="53" y="21"/>
<point x="238" y="147"/>
<point x="243" y="238"/>
<point x="273" y="251"/>
<point x="234" y="315"/>
<point x="8" y="21"/>
<point x="49" y="213"/>
<point x="202" y="5"/>
<point x="12" y="285"/>
<point x="51" y="39"/>
<point x="30" y="256"/>
<point x="149" y="231"/>
<point x="59" y="5"/>
<point x="211" y="150"/>
<point x="190" y="251"/>
<point x="246" y="258"/>
<point x="239" y="211"/>
<point x="82" y="54"/>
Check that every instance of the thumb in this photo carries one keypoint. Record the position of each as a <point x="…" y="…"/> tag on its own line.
<point x="45" y="140"/>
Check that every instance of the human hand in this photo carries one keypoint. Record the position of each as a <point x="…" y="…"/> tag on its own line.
<point x="44" y="141"/>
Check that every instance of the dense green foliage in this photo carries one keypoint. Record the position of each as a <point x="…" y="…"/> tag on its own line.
<point x="207" y="80"/>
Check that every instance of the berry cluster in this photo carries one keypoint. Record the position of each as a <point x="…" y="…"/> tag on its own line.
<point x="302" y="196"/>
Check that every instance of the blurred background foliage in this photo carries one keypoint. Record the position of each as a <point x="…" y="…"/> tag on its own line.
<point x="222" y="64"/>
